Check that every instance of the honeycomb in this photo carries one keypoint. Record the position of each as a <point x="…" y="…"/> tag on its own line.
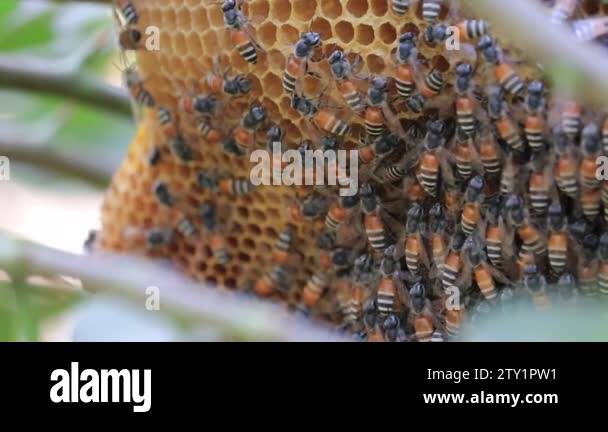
<point x="194" y="43"/>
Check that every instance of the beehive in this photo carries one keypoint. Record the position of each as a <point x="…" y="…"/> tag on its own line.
<point x="193" y="41"/>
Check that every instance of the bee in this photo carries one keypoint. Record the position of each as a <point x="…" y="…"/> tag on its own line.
<point x="590" y="146"/>
<point x="464" y="103"/>
<point x="318" y="283"/>
<point x="453" y="321"/>
<point x="205" y="105"/>
<point x="437" y="228"/>
<point x="429" y="165"/>
<point x="431" y="86"/>
<point x="282" y="246"/>
<point x="587" y="268"/>
<point x="236" y="86"/>
<point x="400" y="7"/>
<point x="157" y="237"/>
<point x="130" y="39"/>
<point x="155" y="156"/>
<point x="275" y="279"/>
<point x="322" y="118"/>
<point x="374" y="118"/>
<point x="404" y="74"/>
<point x="165" y="120"/>
<point x="235" y="186"/>
<point x="128" y="11"/>
<point x="494" y="234"/>
<point x="423" y="324"/>
<point x="557" y="242"/>
<point x="297" y="65"/>
<point x="562" y="10"/>
<point x="217" y="242"/>
<point x="489" y="154"/>
<point x="208" y="133"/>
<point x="565" y="169"/>
<point x="538" y="192"/>
<point x="507" y="130"/>
<point x="602" y="274"/>
<point x="339" y="212"/>
<point x="135" y="83"/>
<point x="571" y="118"/>
<point x="252" y="121"/>
<point x="471" y="210"/>
<point x="465" y="154"/>
<point x="162" y="193"/>
<point x="386" y="295"/>
<point x="352" y="306"/>
<point x="240" y="36"/>
<point x="590" y="28"/>
<point x="453" y="262"/>
<point x="469" y="30"/>
<point x="377" y="234"/>
<point x="382" y="147"/>
<point x="186" y="228"/>
<point x="341" y="70"/>
<point x="430" y="10"/>
<point x="180" y="148"/>
<point x="536" y="284"/>
<point x="504" y="73"/>
<point x="483" y="273"/>
<point x="532" y="242"/>
<point x="415" y="253"/>
<point x="535" y="123"/>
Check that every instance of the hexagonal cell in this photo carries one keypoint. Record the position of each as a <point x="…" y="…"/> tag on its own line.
<point x="332" y="9"/>
<point x="194" y="45"/>
<point x="281" y="10"/>
<point x="216" y="17"/>
<point x="323" y="27"/>
<point x="379" y="7"/>
<point x="276" y="60"/>
<point x="345" y="31"/>
<point x="168" y="19"/>
<point x="211" y="43"/>
<point x="441" y="63"/>
<point x="357" y="8"/>
<point x="200" y="20"/>
<point x="267" y="34"/>
<point x="184" y="22"/>
<point x="272" y="85"/>
<point x="387" y="33"/>
<point x="288" y="35"/>
<point x="179" y="44"/>
<point x="258" y="10"/>
<point x="365" y="34"/>
<point x="304" y="10"/>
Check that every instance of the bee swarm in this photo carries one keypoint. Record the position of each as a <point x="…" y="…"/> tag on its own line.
<point x="467" y="183"/>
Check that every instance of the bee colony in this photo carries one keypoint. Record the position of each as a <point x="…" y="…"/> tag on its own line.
<point x="476" y="183"/>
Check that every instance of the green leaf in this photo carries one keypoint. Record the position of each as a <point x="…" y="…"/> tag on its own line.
<point x="7" y="7"/>
<point x="36" y="31"/>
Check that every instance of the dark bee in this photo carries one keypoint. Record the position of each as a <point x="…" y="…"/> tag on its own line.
<point x="297" y="65"/>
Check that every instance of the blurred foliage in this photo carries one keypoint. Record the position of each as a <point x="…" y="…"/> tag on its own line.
<point x="66" y="37"/>
<point x="24" y="309"/>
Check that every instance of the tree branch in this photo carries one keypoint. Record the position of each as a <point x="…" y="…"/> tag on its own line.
<point x="73" y="86"/>
<point x="233" y="313"/>
<point x="50" y="159"/>
<point x="526" y="24"/>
